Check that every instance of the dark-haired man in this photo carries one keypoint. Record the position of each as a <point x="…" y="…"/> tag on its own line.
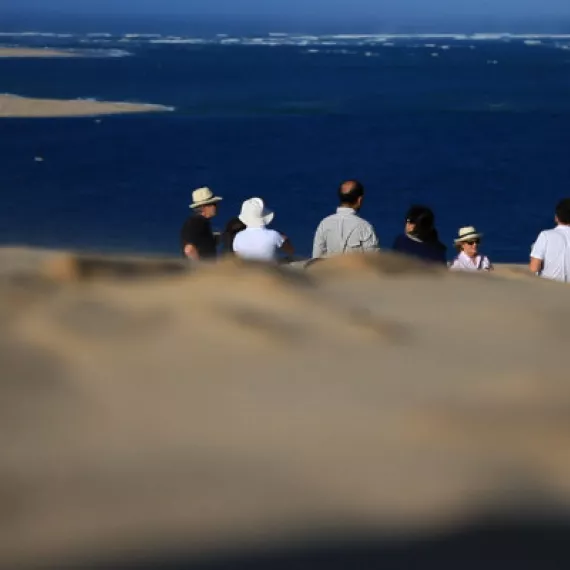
<point x="345" y="231"/>
<point x="550" y="255"/>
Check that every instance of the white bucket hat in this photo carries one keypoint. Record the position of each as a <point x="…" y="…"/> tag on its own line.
<point x="203" y="197"/>
<point x="254" y="214"/>
<point x="467" y="234"/>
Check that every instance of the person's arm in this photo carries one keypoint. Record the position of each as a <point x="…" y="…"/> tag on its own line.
<point x="537" y="254"/>
<point x="535" y="265"/>
<point x="369" y="240"/>
<point x="188" y="237"/>
<point x="286" y="245"/>
<point x="319" y="244"/>
<point x="191" y="252"/>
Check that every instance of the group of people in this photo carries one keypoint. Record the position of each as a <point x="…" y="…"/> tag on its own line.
<point x="345" y="231"/>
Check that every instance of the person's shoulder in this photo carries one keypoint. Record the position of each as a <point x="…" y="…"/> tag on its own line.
<point x="551" y="232"/>
<point x="332" y="216"/>
<point x="364" y="223"/>
<point x="195" y="221"/>
<point x="401" y="241"/>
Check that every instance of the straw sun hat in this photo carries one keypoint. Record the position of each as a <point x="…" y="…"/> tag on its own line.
<point x="203" y="197"/>
<point x="467" y="234"/>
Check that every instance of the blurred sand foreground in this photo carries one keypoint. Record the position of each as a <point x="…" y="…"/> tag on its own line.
<point x="146" y="410"/>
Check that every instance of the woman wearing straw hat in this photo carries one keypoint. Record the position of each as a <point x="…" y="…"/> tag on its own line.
<point x="257" y="242"/>
<point x="468" y="258"/>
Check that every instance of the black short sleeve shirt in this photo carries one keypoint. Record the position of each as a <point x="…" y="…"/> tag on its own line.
<point x="197" y="231"/>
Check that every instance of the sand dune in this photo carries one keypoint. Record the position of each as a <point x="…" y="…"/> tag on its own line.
<point x="34" y="52"/>
<point x="149" y="409"/>
<point x="22" y="107"/>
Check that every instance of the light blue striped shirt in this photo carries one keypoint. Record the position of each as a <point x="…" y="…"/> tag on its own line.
<point x="344" y="232"/>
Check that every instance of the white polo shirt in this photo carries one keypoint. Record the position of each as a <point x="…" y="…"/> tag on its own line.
<point x="553" y="248"/>
<point x="259" y="244"/>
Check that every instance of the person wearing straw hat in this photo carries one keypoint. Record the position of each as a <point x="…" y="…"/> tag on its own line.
<point x="197" y="239"/>
<point x="468" y="258"/>
<point x="256" y="241"/>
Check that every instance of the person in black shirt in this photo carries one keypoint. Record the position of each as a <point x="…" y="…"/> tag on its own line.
<point x="197" y="239"/>
<point x="421" y="239"/>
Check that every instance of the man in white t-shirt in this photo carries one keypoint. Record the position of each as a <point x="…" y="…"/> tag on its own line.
<point x="550" y="255"/>
<point x="257" y="242"/>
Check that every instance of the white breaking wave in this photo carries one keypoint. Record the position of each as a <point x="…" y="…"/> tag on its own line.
<point x="434" y="42"/>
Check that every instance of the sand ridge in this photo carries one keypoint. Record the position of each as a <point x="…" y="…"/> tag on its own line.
<point x="178" y="407"/>
<point x="12" y="106"/>
<point x="35" y="52"/>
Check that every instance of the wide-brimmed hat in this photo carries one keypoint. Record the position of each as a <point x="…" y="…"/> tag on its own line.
<point x="467" y="234"/>
<point x="254" y="214"/>
<point x="203" y="197"/>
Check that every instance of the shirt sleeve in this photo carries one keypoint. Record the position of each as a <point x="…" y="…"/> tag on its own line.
<point x="397" y="245"/>
<point x="190" y="232"/>
<point x="539" y="247"/>
<point x="455" y="264"/>
<point x="369" y="239"/>
<point x="319" y="244"/>
<point x="279" y="240"/>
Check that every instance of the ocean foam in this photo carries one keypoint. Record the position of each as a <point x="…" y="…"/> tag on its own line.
<point x="432" y="41"/>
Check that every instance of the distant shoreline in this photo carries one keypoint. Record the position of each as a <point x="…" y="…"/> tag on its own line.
<point x="35" y="52"/>
<point x="12" y="106"/>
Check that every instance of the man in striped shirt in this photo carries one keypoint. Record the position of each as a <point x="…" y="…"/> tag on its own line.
<point x="345" y="231"/>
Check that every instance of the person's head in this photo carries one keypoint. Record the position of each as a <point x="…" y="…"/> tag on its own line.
<point x="563" y="212"/>
<point x="254" y="214"/>
<point x="351" y="194"/>
<point x="468" y="241"/>
<point x="233" y="227"/>
<point x="420" y="223"/>
<point x="204" y="202"/>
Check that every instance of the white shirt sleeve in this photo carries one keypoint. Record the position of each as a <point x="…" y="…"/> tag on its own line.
<point x="539" y="247"/>
<point x="279" y="240"/>
<point x="319" y="245"/>
<point x="369" y="240"/>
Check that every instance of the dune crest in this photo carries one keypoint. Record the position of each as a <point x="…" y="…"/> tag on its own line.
<point x="147" y="408"/>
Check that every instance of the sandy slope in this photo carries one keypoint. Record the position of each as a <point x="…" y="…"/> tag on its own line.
<point x="243" y="404"/>
<point x="12" y="106"/>
<point x="31" y="52"/>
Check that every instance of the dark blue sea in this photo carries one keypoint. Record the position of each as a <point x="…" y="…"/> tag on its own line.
<point x="478" y="128"/>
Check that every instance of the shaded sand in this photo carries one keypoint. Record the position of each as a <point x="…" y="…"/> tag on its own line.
<point x="32" y="52"/>
<point x="147" y="410"/>
<point x="13" y="106"/>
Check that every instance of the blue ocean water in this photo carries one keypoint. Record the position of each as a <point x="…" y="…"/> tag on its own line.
<point x="476" y="127"/>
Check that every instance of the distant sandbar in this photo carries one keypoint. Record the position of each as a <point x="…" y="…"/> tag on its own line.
<point x="22" y="107"/>
<point x="34" y="52"/>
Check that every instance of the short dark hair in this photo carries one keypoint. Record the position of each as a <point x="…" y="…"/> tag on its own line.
<point x="424" y="220"/>
<point x="563" y="211"/>
<point x="350" y="191"/>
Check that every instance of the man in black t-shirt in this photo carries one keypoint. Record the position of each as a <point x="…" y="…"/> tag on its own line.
<point x="197" y="240"/>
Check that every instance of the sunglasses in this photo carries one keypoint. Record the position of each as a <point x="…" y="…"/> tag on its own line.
<point x="473" y="242"/>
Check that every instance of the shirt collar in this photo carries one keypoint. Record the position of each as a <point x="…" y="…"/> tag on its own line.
<point x="346" y="211"/>
<point x="468" y="259"/>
